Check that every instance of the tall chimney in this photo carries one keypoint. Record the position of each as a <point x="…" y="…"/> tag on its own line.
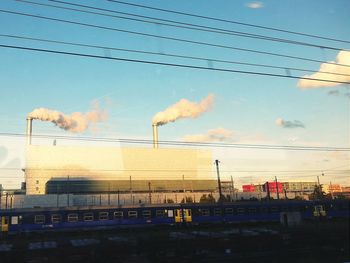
<point x="29" y="130"/>
<point x="155" y="136"/>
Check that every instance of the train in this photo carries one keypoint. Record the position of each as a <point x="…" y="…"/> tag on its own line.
<point x="75" y="218"/>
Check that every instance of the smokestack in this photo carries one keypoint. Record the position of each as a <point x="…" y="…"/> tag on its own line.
<point x="155" y="136"/>
<point x="29" y="130"/>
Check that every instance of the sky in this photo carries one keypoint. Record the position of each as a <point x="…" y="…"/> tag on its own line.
<point x="246" y="109"/>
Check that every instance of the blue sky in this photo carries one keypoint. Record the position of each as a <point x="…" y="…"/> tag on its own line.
<point x="133" y="93"/>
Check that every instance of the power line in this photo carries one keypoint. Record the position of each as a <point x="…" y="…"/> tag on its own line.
<point x="165" y="54"/>
<point x="173" y="170"/>
<point x="178" y="24"/>
<point x="167" y="64"/>
<point x="230" y="21"/>
<point x="170" y="38"/>
<point x="183" y="143"/>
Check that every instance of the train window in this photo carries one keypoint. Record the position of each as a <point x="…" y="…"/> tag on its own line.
<point x="132" y="214"/>
<point x="240" y="210"/>
<point x="118" y="214"/>
<point x="229" y="211"/>
<point x="205" y="212"/>
<point x="263" y="209"/>
<point x="189" y="212"/>
<point x="72" y="217"/>
<point x="170" y="213"/>
<point x="274" y="209"/>
<point x="251" y="210"/>
<point x="56" y="218"/>
<point x="217" y="212"/>
<point x="39" y="219"/>
<point x="103" y="215"/>
<point x="160" y="213"/>
<point x="14" y="220"/>
<point x="146" y="213"/>
<point x="88" y="217"/>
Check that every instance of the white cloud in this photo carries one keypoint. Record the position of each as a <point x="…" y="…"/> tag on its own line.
<point x="343" y="57"/>
<point x="213" y="135"/>
<point x="255" y="5"/>
<point x="289" y="124"/>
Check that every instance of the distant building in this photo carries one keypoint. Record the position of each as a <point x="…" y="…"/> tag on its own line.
<point x="332" y="188"/>
<point x="79" y="169"/>
<point x="272" y="187"/>
<point x="248" y="188"/>
<point x="299" y="187"/>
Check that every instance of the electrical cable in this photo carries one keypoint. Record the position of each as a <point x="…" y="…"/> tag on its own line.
<point x="180" y="24"/>
<point x="182" y="143"/>
<point x="165" y="54"/>
<point x="170" y="38"/>
<point x="231" y="21"/>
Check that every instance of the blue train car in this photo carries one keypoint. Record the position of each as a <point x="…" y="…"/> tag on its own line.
<point x="45" y="219"/>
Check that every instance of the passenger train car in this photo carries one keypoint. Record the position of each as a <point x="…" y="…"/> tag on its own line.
<point x="44" y="219"/>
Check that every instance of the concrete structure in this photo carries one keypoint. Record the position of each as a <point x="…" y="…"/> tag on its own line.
<point x="44" y="163"/>
<point x="299" y="187"/>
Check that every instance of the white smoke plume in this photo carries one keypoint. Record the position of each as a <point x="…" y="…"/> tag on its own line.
<point x="183" y="109"/>
<point x="75" y="122"/>
<point x="213" y="135"/>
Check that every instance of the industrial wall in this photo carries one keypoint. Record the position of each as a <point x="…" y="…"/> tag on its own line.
<point x="111" y="163"/>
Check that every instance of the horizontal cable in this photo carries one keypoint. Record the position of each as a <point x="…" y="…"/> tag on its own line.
<point x="230" y="21"/>
<point x="182" y="143"/>
<point x="178" y="24"/>
<point x="170" y="38"/>
<point x="165" y="54"/>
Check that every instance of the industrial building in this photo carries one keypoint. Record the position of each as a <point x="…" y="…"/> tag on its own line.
<point x="89" y="170"/>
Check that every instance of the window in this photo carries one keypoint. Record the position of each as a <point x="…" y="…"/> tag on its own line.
<point x="88" y="217"/>
<point x="274" y="209"/>
<point x="229" y="211"/>
<point x="39" y="219"/>
<point x="56" y="218"/>
<point x="217" y="212"/>
<point x="240" y="210"/>
<point x="263" y="210"/>
<point x="132" y="214"/>
<point x="160" y="213"/>
<point x="251" y="210"/>
<point x="103" y="215"/>
<point x="170" y="213"/>
<point x="118" y="215"/>
<point x="72" y="217"/>
<point x="205" y="212"/>
<point x="146" y="214"/>
<point x="37" y="181"/>
<point x="14" y="220"/>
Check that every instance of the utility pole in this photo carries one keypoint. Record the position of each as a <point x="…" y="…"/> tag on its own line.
<point x="268" y="190"/>
<point x="219" y="182"/>
<point x="149" y="193"/>
<point x="278" y="194"/>
<point x="233" y="188"/>
<point x="67" y="190"/>
<point x="130" y="182"/>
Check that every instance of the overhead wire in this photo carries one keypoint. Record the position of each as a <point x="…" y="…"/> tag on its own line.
<point x="178" y="24"/>
<point x="170" y="38"/>
<point x="230" y="21"/>
<point x="182" y="143"/>
<point x="150" y="62"/>
<point x="164" y="54"/>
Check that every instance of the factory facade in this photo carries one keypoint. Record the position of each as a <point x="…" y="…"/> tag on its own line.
<point x="68" y="169"/>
